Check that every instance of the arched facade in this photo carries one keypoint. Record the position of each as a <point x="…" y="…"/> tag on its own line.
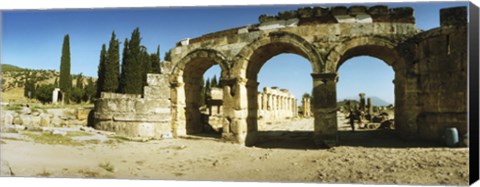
<point x="326" y="38"/>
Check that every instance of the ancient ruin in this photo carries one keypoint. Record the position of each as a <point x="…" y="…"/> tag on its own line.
<point x="430" y="73"/>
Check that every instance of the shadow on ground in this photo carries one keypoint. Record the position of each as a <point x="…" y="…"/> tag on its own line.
<point x="367" y="138"/>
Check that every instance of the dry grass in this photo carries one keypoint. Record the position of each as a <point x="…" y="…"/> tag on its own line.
<point x="89" y="174"/>
<point x="11" y="138"/>
<point x="45" y="173"/>
<point x="107" y="166"/>
<point x="54" y="139"/>
<point x="77" y="133"/>
<point x="2" y="142"/>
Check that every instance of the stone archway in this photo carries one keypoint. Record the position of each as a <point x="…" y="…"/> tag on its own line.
<point x="385" y="50"/>
<point x="251" y="59"/>
<point x="185" y="88"/>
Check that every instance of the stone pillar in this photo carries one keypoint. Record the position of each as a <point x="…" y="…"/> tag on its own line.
<point x="177" y="94"/>
<point x="369" y="106"/>
<point x="362" y="101"/>
<point x="55" y="96"/>
<point x="236" y="128"/>
<point x="325" y="108"/>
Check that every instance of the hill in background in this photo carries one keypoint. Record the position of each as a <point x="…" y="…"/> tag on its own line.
<point x="13" y="80"/>
<point x="376" y="101"/>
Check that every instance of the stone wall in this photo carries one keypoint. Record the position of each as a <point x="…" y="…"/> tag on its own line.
<point x="136" y="116"/>
<point x="437" y="60"/>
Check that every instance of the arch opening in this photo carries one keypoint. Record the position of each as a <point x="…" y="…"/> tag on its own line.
<point x="368" y="88"/>
<point x="276" y="105"/>
<point x="189" y="93"/>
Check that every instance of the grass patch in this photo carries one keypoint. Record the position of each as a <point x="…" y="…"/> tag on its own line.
<point x="113" y="141"/>
<point x="92" y="141"/>
<point x="140" y="162"/>
<point x="88" y="173"/>
<point x="2" y="142"/>
<point x="11" y="138"/>
<point x="45" y="173"/>
<point x="107" y="166"/>
<point x="77" y="133"/>
<point x="54" y="139"/>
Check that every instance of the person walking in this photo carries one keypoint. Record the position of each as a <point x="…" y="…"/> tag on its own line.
<point x="351" y="117"/>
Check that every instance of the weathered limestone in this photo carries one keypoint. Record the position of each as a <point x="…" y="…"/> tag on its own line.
<point x="306" y="108"/>
<point x="55" y="95"/>
<point x="282" y="98"/>
<point x="430" y="74"/>
<point x="133" y="116"/>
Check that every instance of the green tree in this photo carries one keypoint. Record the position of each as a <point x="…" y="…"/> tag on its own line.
<point x="168" y="56"/>
<point x="146" y="64"/>
<point x="56" y="82"/>
<point x="112" y="64"/>
<point x="65" y="77"/>
<point x="207" y="89"/>
<point x="131" y="80"/>
<point x="79" y="81"/>
<point x="214" y="82"/>
<point x="29" y="88"/>
<point x="44" y="93"/>
<point x="202" y="92"/>
<point x="155" y="60"/>
<point x="101" y="71"/>
<point x="123" y="81"/>
<point x="76" y="94"/>
<point x="90" y="91"/>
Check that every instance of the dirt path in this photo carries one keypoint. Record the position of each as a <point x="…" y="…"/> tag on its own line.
<point x="283" y="156"/>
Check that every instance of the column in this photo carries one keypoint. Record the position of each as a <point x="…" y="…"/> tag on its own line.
<point x="177" y="94"/>
<point x="235" y="110"/>
<point x="324" y="103"/>
<point x="362" y="101"/>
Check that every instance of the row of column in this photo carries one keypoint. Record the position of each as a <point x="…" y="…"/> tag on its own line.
<point x="274" y="103"/>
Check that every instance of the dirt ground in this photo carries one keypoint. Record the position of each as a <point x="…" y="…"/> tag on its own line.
<point x="285" y="153"/>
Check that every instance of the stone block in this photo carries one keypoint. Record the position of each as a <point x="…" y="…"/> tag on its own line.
<point x="82" y="114"/>
<point x="453" y="16"/>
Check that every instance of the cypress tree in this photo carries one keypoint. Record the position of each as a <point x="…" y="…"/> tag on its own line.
<point x="123" y="79"/>
<point x="112" y="64"/>
<point x="214" y="82"/>
<point x="65" y="77"/>
<point x="132" y="70"/>
<point x="146" y="63"/>
<point x="155" y="58"/>
<point x="101" y="71"/>
<point x="80" y="81"/>
<point x="202" y="92"/>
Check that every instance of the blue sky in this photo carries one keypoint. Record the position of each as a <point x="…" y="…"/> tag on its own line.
<point x="33" y="39"/>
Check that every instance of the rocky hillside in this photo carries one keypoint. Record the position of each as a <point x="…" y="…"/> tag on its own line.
<point x="13" y="80"/>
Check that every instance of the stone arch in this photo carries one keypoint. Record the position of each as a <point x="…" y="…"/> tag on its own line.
<point x="185" y="88"/>
<point x="255" y="54"/>
<point x="252" y="57"/>
<point x="369" y="45"/>
<point x="382" y="49"/>
<point x="201" y="54"/>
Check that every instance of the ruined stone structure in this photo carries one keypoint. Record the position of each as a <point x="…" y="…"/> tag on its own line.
<point x="275" y="103"/>
<point x="430" y="72"/>
<point x="306" y="108"/>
